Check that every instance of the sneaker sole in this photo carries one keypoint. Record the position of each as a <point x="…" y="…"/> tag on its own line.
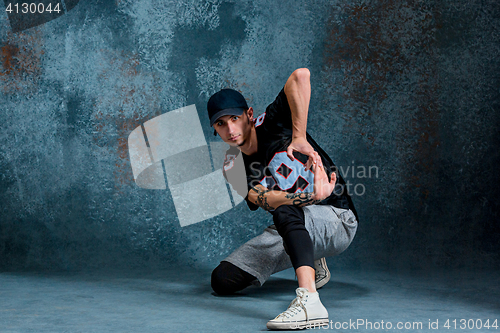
<point x="297" y="325"/>
<point x="324" y="280"/>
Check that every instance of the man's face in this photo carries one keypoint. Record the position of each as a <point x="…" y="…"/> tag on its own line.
<point x="235" y="130"/>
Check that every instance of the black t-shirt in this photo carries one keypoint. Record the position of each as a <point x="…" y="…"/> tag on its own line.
<point x="272" y="168"/>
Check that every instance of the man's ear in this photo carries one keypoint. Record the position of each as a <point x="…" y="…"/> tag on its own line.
<point x="250" y="113"/>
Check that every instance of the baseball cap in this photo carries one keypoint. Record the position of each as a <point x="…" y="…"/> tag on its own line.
<point x="225" y="102"/>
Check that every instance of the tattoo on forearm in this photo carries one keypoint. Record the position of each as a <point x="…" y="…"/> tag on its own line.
<point x="298" y="199"/>
<point x="261" y="198"/>
<point x="301" y="199"/>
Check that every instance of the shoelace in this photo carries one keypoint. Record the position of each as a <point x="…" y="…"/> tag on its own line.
<point x="293" y="308"/>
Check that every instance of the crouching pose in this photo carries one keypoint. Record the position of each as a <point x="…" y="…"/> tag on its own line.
<point x="288" y="174"/>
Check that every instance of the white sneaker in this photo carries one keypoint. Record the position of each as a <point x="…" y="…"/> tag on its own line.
<point x="322" y="273"/>
<point x="305" y="311"/>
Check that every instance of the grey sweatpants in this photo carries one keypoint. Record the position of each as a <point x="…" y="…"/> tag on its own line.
<point x="331" y="230"/>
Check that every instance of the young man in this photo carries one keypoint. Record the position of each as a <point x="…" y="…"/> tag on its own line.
<point x="286" y="173"/>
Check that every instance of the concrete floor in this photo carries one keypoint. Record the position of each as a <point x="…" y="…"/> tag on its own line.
<point x="182" y="300"/>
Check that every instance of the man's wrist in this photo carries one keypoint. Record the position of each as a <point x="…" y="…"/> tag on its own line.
<point x="299" y="135"/>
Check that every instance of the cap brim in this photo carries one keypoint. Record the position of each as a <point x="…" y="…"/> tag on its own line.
<point x="226" y="112"/>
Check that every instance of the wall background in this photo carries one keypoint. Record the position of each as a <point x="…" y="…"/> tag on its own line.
<point x="410" y="87"/>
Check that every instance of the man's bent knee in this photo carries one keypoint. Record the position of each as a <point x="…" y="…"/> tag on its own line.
<point x="286" y="213"/>
<point x="287" y="218"/>
<point x="228" y="279"/>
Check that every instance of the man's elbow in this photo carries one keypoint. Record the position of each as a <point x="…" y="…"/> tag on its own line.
<point x="299" y="78"/>
<point x="301" y="74"/>
<point x="253" y="195"/>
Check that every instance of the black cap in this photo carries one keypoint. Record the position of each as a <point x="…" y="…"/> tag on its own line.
<point x="225" y="102"/>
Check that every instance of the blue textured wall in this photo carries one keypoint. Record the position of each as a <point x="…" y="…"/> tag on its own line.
<point x="410" y="87"/>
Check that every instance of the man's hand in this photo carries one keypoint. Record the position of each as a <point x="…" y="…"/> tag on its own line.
<point x="322" y="187"/>
<point x="302" y="146"/>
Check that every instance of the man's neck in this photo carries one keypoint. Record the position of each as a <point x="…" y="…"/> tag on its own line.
<point x="250" y="146"/>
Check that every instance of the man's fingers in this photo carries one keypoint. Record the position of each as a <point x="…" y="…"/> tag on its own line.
<point x="333" y="178"/>
<point x="313" y="157"/>
<point x="289" y="152"/>
<point x="317" y="158"/>
<point x="313" y="160"/>
<point x="316" y="168"/>
<point x="309" y="164"/>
